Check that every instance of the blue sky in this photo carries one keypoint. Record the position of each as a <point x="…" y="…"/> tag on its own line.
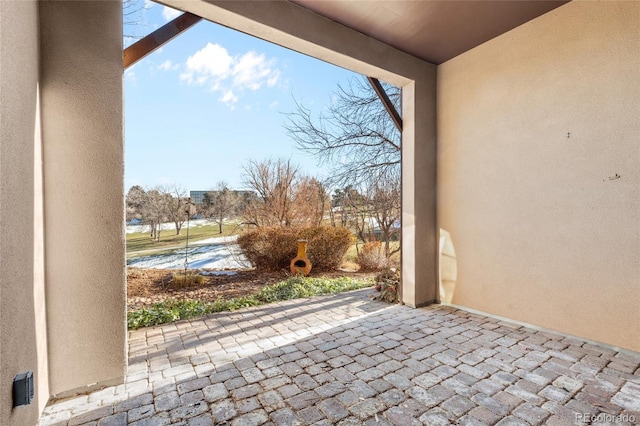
<point x="211" y="99"/>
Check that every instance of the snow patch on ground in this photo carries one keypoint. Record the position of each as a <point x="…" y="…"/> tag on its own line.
<point x="169" y="226"/>
<point x="217" y="240"/>
<point x="211" y="253"/>
<point x="201" y="255"/>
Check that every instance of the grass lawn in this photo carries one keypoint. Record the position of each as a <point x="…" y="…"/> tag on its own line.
<point x="168" y="239"/>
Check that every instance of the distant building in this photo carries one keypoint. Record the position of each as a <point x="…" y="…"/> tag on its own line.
<point x="197" y="197"/>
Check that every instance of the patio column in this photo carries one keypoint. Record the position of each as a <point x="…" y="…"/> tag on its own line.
<point x="83" y="160"/>
<point x="419" y="225"/>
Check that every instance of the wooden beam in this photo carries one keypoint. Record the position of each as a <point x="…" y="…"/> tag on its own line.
<point x="388" y="105"/>
<point x="156" y="39"/>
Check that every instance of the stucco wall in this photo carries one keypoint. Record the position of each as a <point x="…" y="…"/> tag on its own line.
<point x="81" y="87"/>
<point x="539" y="172"/>
<point x="22" y="316"/>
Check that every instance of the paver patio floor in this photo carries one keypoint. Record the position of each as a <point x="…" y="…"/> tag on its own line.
<point x="348" y="360"/>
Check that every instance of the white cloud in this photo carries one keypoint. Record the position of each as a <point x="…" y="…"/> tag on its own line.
<point x="215" y="68"/>
<point x="253" y="70"/>
<point x="228" y="97"/>
<point x="130" y="75"/>
<point x="148" y="4"/>
<point x="168" y="66"/>
<point x="273" y="104"/>
<point x="211" y="63"/>
<point x="169" y="13"/>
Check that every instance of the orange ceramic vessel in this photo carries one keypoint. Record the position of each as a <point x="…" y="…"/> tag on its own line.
<point x="301" y="265"/>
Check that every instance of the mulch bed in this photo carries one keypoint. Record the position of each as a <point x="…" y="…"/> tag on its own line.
<point x="148" y="286"/>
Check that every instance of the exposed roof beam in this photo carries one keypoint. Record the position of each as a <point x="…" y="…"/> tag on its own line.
<point x="156" y="39"/>
<point x="388" y="105"/>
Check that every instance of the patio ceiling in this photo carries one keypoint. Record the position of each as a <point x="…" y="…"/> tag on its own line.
<point x="435" y="31"/>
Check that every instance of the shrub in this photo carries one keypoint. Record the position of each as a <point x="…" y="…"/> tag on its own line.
<point x="272" y="248"/>
<point x="268" y="248"/>
<point x="181" y="279"/>
<point x="371" y="257"/>
<point x="388" y="283"/>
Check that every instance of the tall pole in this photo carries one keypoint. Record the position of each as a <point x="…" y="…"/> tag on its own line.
<point x="186" y="246"/>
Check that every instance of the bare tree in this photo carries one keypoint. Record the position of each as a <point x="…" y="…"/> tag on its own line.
<point x="157" y="206"/>
<point x="384" y="198"/>
<point x="272" y="180"/>
<point x="132" y="18"/>
<point x="134" y="203"/>
<point x="154" y="212"/>
<point x="310" y="201"/>
<point x="354" y="212"/>
<point x="220" y="204"/>
<point x="341" y="201"/>
<point x="175" y="204"/>
<point x="354" y="136"/>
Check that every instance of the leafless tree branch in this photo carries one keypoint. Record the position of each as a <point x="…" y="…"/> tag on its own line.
<point x="354" y="136"/>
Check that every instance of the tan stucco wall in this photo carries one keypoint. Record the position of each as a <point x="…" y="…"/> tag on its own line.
<point x="22" y="316"/>
<point x="81" y="88"/>
<point x="533" y="128"/>
<point x="296" y="28"/>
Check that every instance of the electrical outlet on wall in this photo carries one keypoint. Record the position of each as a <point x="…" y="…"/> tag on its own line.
<point x="23" y="389"/>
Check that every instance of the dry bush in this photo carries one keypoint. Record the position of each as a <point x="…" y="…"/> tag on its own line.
<point x="371" y="257"/>
<point x="327" y="245"/>
<point x="268" y="248"/>
<point x="272" y="248"/>
<point x="181" y="279"/>
<point x="349" y="266"/>
<point x="388" y="284"/>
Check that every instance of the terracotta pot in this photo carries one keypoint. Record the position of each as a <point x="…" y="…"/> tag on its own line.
<point x="301" y="265"/>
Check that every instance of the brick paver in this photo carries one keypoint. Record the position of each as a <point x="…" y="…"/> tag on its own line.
<point x="348" y="360"/>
